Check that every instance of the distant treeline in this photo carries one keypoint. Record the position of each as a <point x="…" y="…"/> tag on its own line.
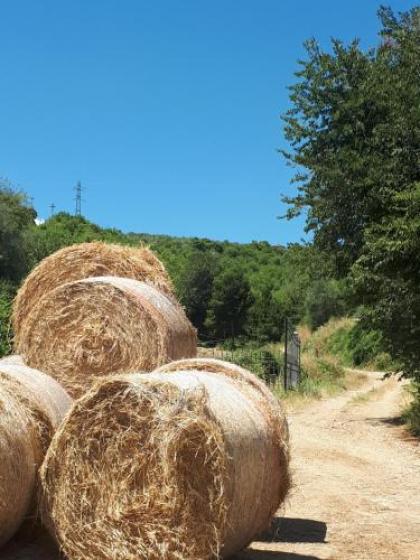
<point x="231" y="292"/>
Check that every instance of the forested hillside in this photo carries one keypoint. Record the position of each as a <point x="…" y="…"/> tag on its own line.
<point x="230" y="291"/>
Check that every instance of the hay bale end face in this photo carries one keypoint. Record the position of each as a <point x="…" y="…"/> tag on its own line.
<point x="161" y="467"/>
<point x="249" y="383"/>
<point x="31" y="407"/>
<point x="92" y="327"/>
<point x="85" y="260"/>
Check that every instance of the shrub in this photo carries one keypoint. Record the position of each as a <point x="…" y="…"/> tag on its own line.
<point x="412" y="414"/>
<point x="6" y="297"/>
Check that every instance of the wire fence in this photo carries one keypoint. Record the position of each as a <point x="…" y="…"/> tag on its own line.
<point x="275" y="363"/>
<point x="265" y="363"/>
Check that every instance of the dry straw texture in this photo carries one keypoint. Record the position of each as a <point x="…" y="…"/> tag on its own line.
<point x="164" y="467"/>
<point x="31" y="407"/>
<point x="86" y="260"/>
<point x="253" y="386"/>
<point x="98" y="326"/>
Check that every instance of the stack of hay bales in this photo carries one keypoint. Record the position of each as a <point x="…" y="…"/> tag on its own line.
<point x="187" y="461"/>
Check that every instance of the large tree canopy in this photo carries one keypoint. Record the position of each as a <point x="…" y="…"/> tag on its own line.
<point x="354" y="131"/>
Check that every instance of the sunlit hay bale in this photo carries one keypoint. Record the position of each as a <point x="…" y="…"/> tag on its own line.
<point x="86" y="260"/>
<point x="254" y="386"/>
<point x="96" y="326"/>
<point x="31" y="407"/>
<point x="17" y="465"/>
<point x="163" y="467"/>
<point x="12" y="359"/>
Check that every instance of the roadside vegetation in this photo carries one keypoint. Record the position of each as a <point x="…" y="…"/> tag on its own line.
<point x="354" y="131"/>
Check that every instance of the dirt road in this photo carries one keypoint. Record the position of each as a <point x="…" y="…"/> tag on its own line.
<point x="356" y="485"/>
<point x="356" y="482"/>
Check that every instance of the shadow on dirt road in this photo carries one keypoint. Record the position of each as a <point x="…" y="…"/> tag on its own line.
<point x="295" y="530"/>
<point x="271" y="555"/>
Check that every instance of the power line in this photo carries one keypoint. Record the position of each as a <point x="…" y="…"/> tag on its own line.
<point x="52" y="208"/>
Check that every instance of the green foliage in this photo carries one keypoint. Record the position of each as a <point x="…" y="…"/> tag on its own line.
<point x="387" y="276"/>
<point x="16" y="216"/>
<point x="324" y="299"/>
<point x="266" y="316"/>
<point x="63" y="229"/>
<point x="229" y="305"/>
<point x="322" y="367"/>
<point x="329" y="379"/>
<point x="264" y="363"/>
<point x="6" y="295"/>
<point x="195" y="288"/>
<point x="412" y="413"/>
<point x="357" y="346"/>
<point x="351" y="345"/>
<point x="354" y="130"/>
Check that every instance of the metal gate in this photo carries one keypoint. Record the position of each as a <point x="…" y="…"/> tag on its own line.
<point x="291" y="356"/>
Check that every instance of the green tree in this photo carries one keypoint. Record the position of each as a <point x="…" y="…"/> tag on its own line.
<point x="229" y="305"/>
<point x="6" y="296"/>
<point x="324" y="299"/>
<point x="353" y="128"/>
<point x="266" y="316"/>
<point x="195" y="286"/>
<point x="16" y="216"/>
<point x="387" y="278"/>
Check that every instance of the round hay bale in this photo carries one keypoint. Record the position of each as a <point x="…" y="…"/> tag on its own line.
<point x="31" y="407"/>
<point x="86" y="260"/>
<point x="162" y="467"/>
<point x="17" y="472"/>
<point x="98" y="326"/>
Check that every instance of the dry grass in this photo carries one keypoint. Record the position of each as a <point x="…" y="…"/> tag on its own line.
<point x="31" y="407"/>
<point x="97" y="326"/>
<point x="163" y="467"/>
<point x="304" y="333"/>
<point x="85" y="260"/>
<point x="318" y="341"/>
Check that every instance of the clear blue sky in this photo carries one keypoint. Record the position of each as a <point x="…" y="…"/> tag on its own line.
<point x="167" y="111"/>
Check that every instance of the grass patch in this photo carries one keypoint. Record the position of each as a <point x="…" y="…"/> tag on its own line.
<point x="411" y="414"/>
<point x="351" y="345"/>
<point x="321" y="376"/>
<point x="326" y="353"/>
